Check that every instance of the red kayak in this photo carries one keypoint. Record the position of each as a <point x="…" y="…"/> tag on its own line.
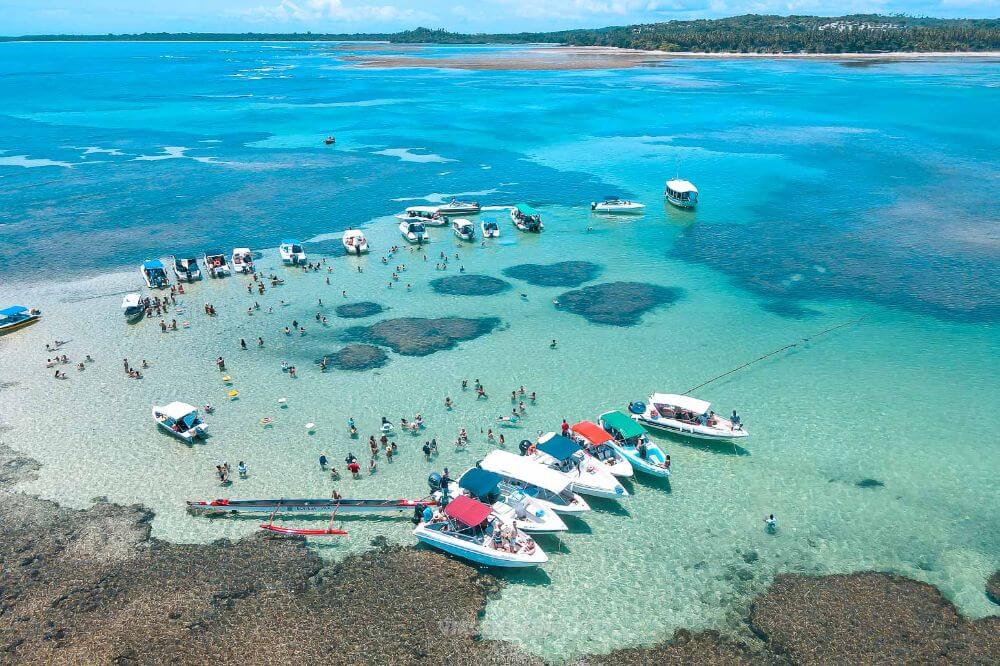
<point x="301" y="532"/>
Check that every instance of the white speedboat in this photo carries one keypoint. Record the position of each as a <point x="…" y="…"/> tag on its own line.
<point x="587" y="475"/>
<point x="633" y="443"/>
<point x="414" y="232"/>
<point x="291" y="252"/>
<point x="216" y="265"/>
<point x="154" y="273"/>
<point x="681" y="193"/>
<point x="463" y="229"/>
<point x="456" y="207"/>
<point x="687" y="416"/>
<point x="354" y="242"/>
<point x="242" y="260"/>
<point x="526" y="218"/>
<point x="490" y="229"/>
<point x="547" y="487"/>
<point x="597" y="443"/>
<point x="427" y="214"/>
<point x="471" y="530"/>
<point x="527" y="514"/>
<point x="616" y="206"/>
<point x="180" y="420"/>
<point x="133" y="308"/>
<point x="187" y="269"/>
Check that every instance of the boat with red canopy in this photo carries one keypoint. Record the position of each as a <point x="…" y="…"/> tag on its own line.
<point x="599" y="444"/>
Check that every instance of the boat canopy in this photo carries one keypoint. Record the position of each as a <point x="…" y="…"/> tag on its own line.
<point x="623" y="424"/>
<point x="681" y="186"/>
<point x="290" y="241"/>
<point x="176" y="410"/>
<point x="592" y="432"/>
<point x="241" y="250"/>
<point x="685" y="402"/>
<point x="480" y="482"/>
<point x="353" y="233"/>
<point x="152" y="265"/>
<point x="518" y="467"/>
<point x="527" y="210"/>
<point x="13" y="311"/>
<point x="130" y="301"/>
<point x="468" y="511"/>
<point x="559" y="447"/>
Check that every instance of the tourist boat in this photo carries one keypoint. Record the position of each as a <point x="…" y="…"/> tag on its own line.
<point x="456" y="207"/>
<point x="329" y="140"/>
<point x="471" y="530"/>
<point x="427" y="214"/>
<point x="354" y="242"/>
<point x="133" y="308"/>
<point x="217" y="265"/>
<point x="526" y="218"/>
<point x="291" y="252"/>
<point x="616" y="206"/>
<point x="507" y="500"/>
<point x="681" y="193"/>
<point x="414" y="232"/>
<point x="490" y="229"/>
<point x="186" y="269"/>
<point x="687" y="416"/>
<point x="242" y="260"/>
<point x="154" y="274"/>
<point x="220" y="507"/>
<point x="180" y="420"/>
<point x="631" y="440"/>
<point x="598" y="444"/>
<point x="16" y="317"/>
<point x="547" y="487"/>
<point x="463" y="229"/>
<point x="587" y="475"/>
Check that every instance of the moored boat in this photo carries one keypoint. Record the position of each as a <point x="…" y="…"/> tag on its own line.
<point x="508" y="501"/>
<point x="180" y="420"/>
<point x="219" y="507"/>
<point x="587" y="475"/>
<point x="633" y="442"/>
<point x="471" y="530"/>
<point x="242" y="260"/>
<point x="427" y="214"/>
<point x="616" y="206"/>
<point x="354" y="242"/>
<point x="547" y="487"/>
<point x="681" y="193"/>
<point x="463" y="229"/>
<point x="133" y="308"/>
<point x="186" y="269"/>
<point x="456" y="207"/>
<point x="414" y="232"/>
<point x="490" y="228"/>
<point x="154" y="273"/>
<point x="597" y="443"/>
<point x="291" y="252"/>
<point x="526" y="218"/>
<point x="216" y="264"/>
<point x="16" y="317"/>
<point x="688" y="417"/>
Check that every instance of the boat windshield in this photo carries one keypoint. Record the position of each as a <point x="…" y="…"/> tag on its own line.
<point x="416" y="228"/>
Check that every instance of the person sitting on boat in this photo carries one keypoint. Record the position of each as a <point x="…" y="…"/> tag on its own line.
<point x="737" y="422"/>
<point x="643" y="450"/>
<point x="666" y="462"/>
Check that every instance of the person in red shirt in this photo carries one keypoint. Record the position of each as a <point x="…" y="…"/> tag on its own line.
<point x="565" y="428"/>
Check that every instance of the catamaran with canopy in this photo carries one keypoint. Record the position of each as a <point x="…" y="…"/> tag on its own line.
<point x="587" y="475"/>
<point x="631" y="440"/>
<point x="547" y="487"/>
<point x="508" y="501"/>
<point x="681" y="193"/>
<point x="526" y="218"/>
<point x="687" y="416"/>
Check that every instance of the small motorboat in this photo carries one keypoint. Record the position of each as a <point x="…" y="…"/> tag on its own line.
<point x="688" y="417"/>
<point x="632" y="442"/>
<point x="291" y="253"/>
<point x="463" y="229"/>
<point x="217" y="265"/>
<point x="242" y="260"/>
<point x="471" y="530"/>
<point x="133" y="308"/>
<point x="427" y="214"/>
<point x="16" y="317"/>
<point x="681" y="193"/>
<point x="490" y="229"/>
<point x="180" y="420"/>
<point x="186" y="269"/>
<point x="526" y="218"/>
<point x="527" y="514"/>
<point x="154" y="273"/>
<point x="456" y="207"/>
<point x="616" y="206"/>
<point x="414" y="232"/>
<point x="597" y="443"/>
<point x="221" y="507"/>
<point x="329" y="140"/>
<point x="548" y="488"/>
<point x="354" y="242"/>
<point x="587" y="475"/>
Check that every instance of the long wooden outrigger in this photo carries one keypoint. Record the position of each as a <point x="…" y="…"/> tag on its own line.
<point x="221" y="507"/>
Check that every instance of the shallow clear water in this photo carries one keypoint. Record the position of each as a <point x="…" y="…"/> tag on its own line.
<point x="822" y="200"/>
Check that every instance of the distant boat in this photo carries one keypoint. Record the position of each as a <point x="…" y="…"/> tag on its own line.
<point x="17" y="317"/>
<point x="427" y="214"/>
<point x="414" y="232"/>
<point x="490" y="229"/>
<point x="686" y="416"/>
<point x="242" y="260"/>
<point x="681" y="193"/>
<point x="614" y="205"/>
<point x="216" y="265"/>
<point x="186" y="269"/>
<point x="526" y="218"/>
<point x="456" y="207"/>
<point x="354" y="242"/>
<point x="133" y="308"/>
<point x="291" y="252"/>
<point x="154" y="273"/>
<point x="463" y="229"/>
<point x="180" y="420"/>
<point x="329" y="141"/>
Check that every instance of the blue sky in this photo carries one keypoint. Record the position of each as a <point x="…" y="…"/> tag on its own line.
<point x="101" y="16"/>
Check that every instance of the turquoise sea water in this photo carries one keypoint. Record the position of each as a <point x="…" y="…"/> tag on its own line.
<point x="829" y="193"/>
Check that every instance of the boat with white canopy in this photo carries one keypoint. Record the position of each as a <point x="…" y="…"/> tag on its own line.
<point x="427" y="214"/>
<point x="547" y="487"/>
<point x="292" y="253"/>
<point x="616" y="206"/>
<point x="597" y="443"/>
<point x="133" y="308"/>
<point x="186" y="269"/>
<point x="242" y="260"/>
<point x="687" y="416"/>
<point x="633" y="442"/>
<point x="180" y="420"/>
<point x="355" y="242"/>
<point x="587" y="475"/>
<point x="473" y="531"/>
<point x="681" y="193"/>
<point x="507" y="500"/>
<point x="463" y="229"/>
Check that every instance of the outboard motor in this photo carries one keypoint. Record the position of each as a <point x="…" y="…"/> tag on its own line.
<point x="524" y="446"/>
<point x="434" y="482"/>
<point x="418" y="513"/>
<point x="637" y="407"/>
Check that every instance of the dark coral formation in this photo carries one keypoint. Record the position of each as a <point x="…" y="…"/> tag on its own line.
<point x="993" y="588"/>
<point x="417" y="336"/>
<point x="470" y="285"/>
<point x="560" y="274"/>
<point x="707" y="647"/>
<point x="869" y="483"/>
<point x="617" y="303"/>
<point x="357" y="357"/>
<point x="359" y="310"/>
<point x="788" y="308"/>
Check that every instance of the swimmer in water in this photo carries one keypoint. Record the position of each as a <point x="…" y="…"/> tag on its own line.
<point x="771" y="524"/>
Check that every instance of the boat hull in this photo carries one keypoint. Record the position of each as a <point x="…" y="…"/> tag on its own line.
<point x="356" y="249"/>
<point x="18" y="325"/>
<point x="645" y="465"/>
<point x="619" y="210"/>
<point x="480" y="554"/>
<point x="681" y="203"/>
<point x="689" y="430"/>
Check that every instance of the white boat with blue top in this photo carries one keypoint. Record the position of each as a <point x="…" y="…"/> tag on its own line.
<point x="547" y="487"/>
<point x="587" y="476"/>
<point x="154" y="273"/>
<point x="633" y="442"/>
<point x="16" y="317"/>
<point x="463" y="229"/>
<point x="291" y="252"/>
<point x="681" y="193"/>
<point x="507" y="500"/>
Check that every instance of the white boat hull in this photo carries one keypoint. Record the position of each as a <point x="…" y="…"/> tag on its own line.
<point x="478" y="553"/>
<point x="356" y="248"/>
<point x="721" y="433"/>
<point x="620" y="209"/>
<point x="681" y="203"/>
<point x="646" y="465"/>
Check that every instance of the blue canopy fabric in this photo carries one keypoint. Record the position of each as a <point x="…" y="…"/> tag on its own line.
<point x="559" y="447"/>
<point x="155" y="263"/>
<point x="479" y="482"/>
<point x="13" y="310"/>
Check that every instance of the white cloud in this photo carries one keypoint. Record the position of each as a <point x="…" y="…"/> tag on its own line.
<point x="330" y="10"/>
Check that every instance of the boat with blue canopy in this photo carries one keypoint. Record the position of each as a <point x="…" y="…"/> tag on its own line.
<point x="587" y="475"/>
<point x="16" y="317"/>
<point x="633" y="442"/>
<point x="526" y="218"/>
<point x="154" y="273"/>
<point x="507" y="500"/>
